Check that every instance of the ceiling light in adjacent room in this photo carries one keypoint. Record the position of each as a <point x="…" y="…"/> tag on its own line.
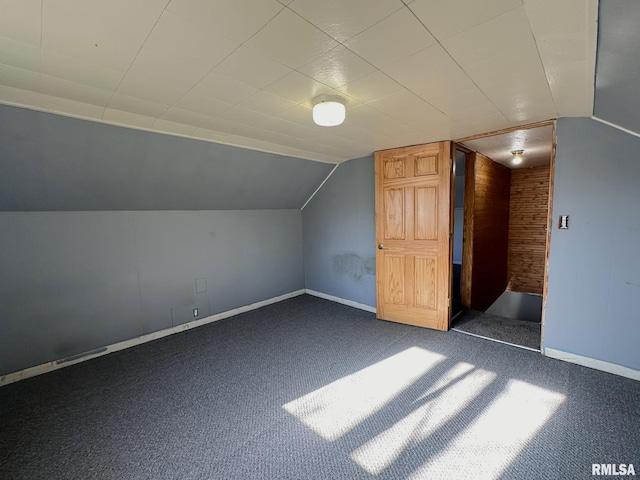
<point x="328" y="110"/>
<point x="517" y="157"/>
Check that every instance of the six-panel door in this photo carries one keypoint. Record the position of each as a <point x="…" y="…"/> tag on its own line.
<point x="413" y="210"/>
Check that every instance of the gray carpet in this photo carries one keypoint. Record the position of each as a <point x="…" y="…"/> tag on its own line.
<point x="309" y="389"/>
<point x="516" y="332"/>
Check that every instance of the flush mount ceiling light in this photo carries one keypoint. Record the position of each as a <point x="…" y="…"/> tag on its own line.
<point x="517" y="157"/>
<point x="328" y="110"/>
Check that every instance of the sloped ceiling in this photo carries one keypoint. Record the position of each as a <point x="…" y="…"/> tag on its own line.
<point x="244" y="72"/>
<point x="617" y="99"/>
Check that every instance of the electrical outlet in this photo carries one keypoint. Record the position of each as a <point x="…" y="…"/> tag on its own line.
<point x="563" y="222"/>
<point x="195" y="312"/>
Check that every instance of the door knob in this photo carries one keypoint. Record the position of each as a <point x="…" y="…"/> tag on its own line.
<point x="381" y="247"/>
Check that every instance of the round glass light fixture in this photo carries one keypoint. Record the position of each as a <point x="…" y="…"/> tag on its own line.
<point x="517" y="157"/>
<point x="328" y="110"/>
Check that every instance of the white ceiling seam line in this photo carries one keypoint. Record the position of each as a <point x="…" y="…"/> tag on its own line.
<point x="124" y="75"/>
<point x="616" y="126"/>
<point x="319" y="186"/>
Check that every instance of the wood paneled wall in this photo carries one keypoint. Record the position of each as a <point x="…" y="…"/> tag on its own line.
<point x="486" y="232"/>
<point x="528" y="229"/>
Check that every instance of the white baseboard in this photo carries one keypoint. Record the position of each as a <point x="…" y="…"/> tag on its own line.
<point x="593" y="363"/>
<point x="344" y="301"/>
<point x="60" y="363"/>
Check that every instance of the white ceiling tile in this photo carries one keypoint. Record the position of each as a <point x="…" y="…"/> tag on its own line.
<point x="488" y="123"/>
<point x="21" y="20"/>
<point x="127" y="119"/>
<point x="177" y="37"/>
<point x="572" y="89"/>
<point x="70" y="107"/>
<point x="296" y="87"/>
<point x="223" y="89"/>
<point x="336" y="67"/>
<point x="301" y="115"/>
<point x="344" y="19"/>
<point x="69" y="68"/>
<point x="19" y="54"/>
<point x="291" y="40"/>
<point x="502" y="59"/>
<point x="129" y="20"/>
<point x="252" y="68"/>
<point x="137" y="105"/>
<point x="505" y="38"/>
<point x="420" y="66"/>
<point x="517" y="97"/>
<point x="187" y="117"/>
<point x="233" y="128"/>
<point x="235" y="19"/>
<point x="442" y="83"/>
<point x="20" y="78"/>
<point x="566" y="43"/>
<point x="395" y="102"/>
<point x="243" y="116"/>
<point x="203" y="105"/>
<point x="99" y="47"/>
<point x="278" y="125"/>
<point x="18" y="96"/>
<point x="371" y="87"/>
<point x="445" y="18"/>
<point x="392" y="39"/>
<point x="206" y="134"/>
<point x="459" y="104"/>
<point x="549" y="18"/>
<point x="59" y="87"/>
<point x="355" y="133"/>
<point x="365" y="116"/>
<point x="422" y="114"/>
<point x="267" y="103"/>
<point x="102" y="33"/>
<point x="384" y="142"/>
<point x="173" y="127"/>
<point x="160" y="78"/>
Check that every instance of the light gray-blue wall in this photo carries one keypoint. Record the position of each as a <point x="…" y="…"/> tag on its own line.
<point x="53" y="163"/>
<point x="339" y="234"/>
<point x="76" y="281"/>
<point x="594" y="266"/>
<point x="109" y="233"/>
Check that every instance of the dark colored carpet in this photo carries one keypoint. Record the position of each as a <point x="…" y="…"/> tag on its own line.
<point x="309" y="389"/>
<point x="516" y="332"/>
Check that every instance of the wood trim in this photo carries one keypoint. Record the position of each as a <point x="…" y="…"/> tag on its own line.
<point x="545" y="286"/>
<point x="452" y="191"/>
<point x="506" y="130"/>
<point x="467" y="230"/>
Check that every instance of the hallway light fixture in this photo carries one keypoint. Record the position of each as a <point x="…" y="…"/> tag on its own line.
<point x="517" y="157"/>
<point x="328" y="110"/>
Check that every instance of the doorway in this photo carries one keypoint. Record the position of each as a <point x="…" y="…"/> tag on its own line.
<point x="505" y="202"/>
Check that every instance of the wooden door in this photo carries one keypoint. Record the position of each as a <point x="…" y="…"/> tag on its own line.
<point x="413" y="235"/>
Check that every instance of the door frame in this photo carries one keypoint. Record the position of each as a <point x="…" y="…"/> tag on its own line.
<point x="456" y="145"/>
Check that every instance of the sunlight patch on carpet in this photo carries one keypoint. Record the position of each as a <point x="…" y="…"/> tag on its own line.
<point x="337" y="408"/>
<point x="493" y="440"/>
<point x="437" y="406"/>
